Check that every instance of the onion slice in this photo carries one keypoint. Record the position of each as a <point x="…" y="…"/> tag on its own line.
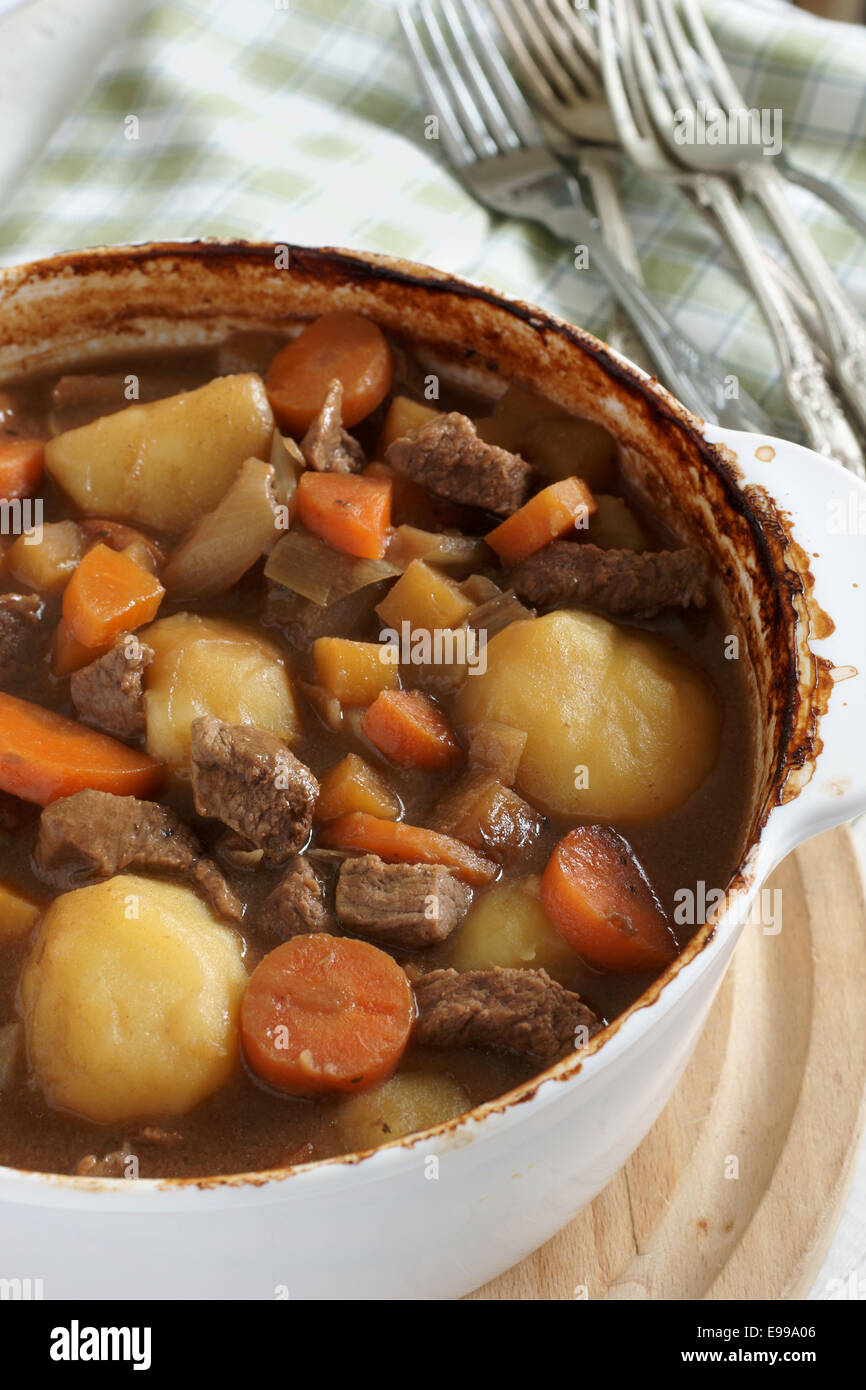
<point x="224" y="543"/>
<point x="310" y="567"/>
<point x="410" y="543"/>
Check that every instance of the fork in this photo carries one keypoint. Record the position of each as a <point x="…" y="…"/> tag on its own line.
<point x="720" y="89"/>
<point x="636" y="92"/>
<point x="542" y="36"/>
<point x="678" y="62"/>
<point x="498" y="149"/>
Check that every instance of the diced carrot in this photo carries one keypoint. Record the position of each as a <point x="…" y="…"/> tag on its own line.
<point x="352" y="514"/>
<point x="550" y="513"/>
<point x="598" y="897"/>
<point x="44" y="756"/>
<point x="412" y="844"/>
<point x="325" y="1014"/>
<point x="68" y="654"/>
<point x="408" y="728"/>
<point x="107" y="594"/>
<point x="21" y="464"/>
<point x="355" y="672"/>
<point x="342" y="345"/>
<point x="353" y="785"/>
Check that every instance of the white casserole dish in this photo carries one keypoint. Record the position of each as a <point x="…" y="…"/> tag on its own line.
<point x="788" y="531"/>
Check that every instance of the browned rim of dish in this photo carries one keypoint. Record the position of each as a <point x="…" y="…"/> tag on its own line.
<point x="73" y="302"/>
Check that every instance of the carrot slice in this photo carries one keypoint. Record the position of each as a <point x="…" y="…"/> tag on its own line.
<point x="44" y="756"/>
<point x="325" y="1014"/>
<point x="550" y="513"/>
<point x="408" y="728"/>
<point x="68" y="654"/>
<point x="413" y="844"/>
<point x="352" y="514"/>
<point x="107" y="594"/>
<point x="21" y="464"/>
<point x="598" y="897"/>
<point x="342" y="345"/>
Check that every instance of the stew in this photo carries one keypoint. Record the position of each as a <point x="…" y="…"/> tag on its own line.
<point x="364" y="747"/>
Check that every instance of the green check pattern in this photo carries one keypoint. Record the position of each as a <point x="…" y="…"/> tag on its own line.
<point x="301" y="120"/>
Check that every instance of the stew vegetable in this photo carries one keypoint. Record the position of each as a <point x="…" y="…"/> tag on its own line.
<point x="356" y="750"/>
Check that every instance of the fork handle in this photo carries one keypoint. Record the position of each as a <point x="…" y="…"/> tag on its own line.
<point x="831" y="195"/>
<point x="690" y="375"/>
<point x="846" y="331"/>
<point x="824" y="422"/>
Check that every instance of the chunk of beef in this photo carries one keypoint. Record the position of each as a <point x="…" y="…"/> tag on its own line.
<point x="296" y="906"/>
<point x="326" y="446"/>
<point x="447" y="456"/>
<point x="498" y="748"/>
<point x="619" y="582"/>
<point x="520" y="1011"/>
<point x="400" y="904"/>
<point x="94" y="835"/>
<point x="20" y="616"/>
<point x="109" y="692"/>
<point x="248" y="779"/>
<point x="484" y="813"/>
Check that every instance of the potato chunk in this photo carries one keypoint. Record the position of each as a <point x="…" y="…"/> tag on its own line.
<point x="165" y="463"/>
<point x="210" y="666"/>
<point x="507" y="926"/>
<point x="130" y="1000"/>
<point x="559" y="444"/>
<point x="406" y="1102"/>
<point x="618" y="724"/>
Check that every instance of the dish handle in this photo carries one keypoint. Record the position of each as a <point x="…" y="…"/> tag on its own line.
<point x="827" y="507"/>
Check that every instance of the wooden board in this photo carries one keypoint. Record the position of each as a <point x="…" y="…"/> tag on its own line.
<point x="737" y="1190"/>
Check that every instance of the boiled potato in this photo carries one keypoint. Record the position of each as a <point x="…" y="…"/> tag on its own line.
<point x="18" y="913"/>
<point x="558" y="443"/>
<point x="130" y="1000"/>
<point x="614" y="526"/>
<point x="618" y="724"/>
<point x="507" y="926"/>
<point x="210" y="666"/>
<point x="165" y="463"/>
<point x="406" y="1102"/>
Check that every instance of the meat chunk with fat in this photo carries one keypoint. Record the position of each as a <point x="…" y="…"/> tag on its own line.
<point x="448" y="458"/>
<point x="519" y="1011"/>
<point x="248" y="779"/>
<point x="109" y="692"/>
<point x="621" y="583"/>
<point x="405" y="905"/>
<point x="20" y="619"/>
<point x="483" y="812"/>
<point x="93" y="835"/>
<point x="326" y="446"/>
<point x="296" y="906"/>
